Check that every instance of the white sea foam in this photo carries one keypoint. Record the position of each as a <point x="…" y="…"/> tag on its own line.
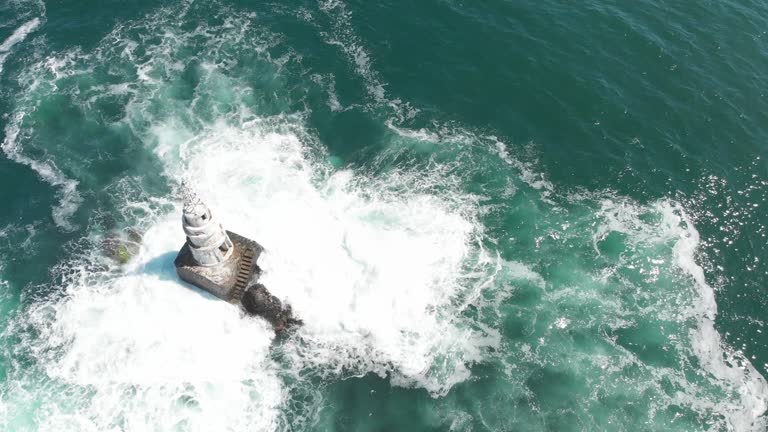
<point x="157" y="355"/>
<point x="528" y="175"/>
<point x="368" y="270"/>
<point x="521" y="271"/>
<point x="422" y="134"/>
<point x="328" y="82"/>
<point x="445" y="134"/>
<point x="344" y="38"/>
<point x="18" y="35"/>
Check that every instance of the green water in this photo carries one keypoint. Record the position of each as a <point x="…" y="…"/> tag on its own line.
<point x="505" y="216"/>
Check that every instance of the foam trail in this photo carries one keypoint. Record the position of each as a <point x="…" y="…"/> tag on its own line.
<point x="18" y="35"/>
<point x="348" y="42"/>
<point x="69" y="197"/>
<point x="726" y="368"/>
<point x="735" y="372"/>
<point x="344" y="37"/>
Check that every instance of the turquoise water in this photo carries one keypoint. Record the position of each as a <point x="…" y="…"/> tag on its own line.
<point x="504" y="216"/>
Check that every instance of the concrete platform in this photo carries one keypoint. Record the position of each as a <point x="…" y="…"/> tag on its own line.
<point x="229" y="280"/>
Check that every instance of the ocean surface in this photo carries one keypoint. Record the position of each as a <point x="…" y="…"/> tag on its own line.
<point x="503" y="215"/>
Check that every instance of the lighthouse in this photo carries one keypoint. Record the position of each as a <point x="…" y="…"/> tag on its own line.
<point x="224" y="263"/>
<point x="208" y="242"/>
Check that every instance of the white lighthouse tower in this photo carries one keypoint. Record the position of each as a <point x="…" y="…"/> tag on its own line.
<point x="208" y="242"/>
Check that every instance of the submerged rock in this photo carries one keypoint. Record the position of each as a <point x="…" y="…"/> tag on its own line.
<point x="121" y="246"/>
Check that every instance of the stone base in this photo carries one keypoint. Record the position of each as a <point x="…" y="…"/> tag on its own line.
<point x="229" y="280"/>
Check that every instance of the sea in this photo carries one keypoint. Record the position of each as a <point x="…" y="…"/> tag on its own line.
<point x="502" y="215"/>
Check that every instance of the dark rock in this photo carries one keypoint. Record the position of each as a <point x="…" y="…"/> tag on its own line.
<point x="258" y="301"/>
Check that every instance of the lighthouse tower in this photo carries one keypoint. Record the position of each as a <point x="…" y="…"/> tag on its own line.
<point x="208" y="242"/>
